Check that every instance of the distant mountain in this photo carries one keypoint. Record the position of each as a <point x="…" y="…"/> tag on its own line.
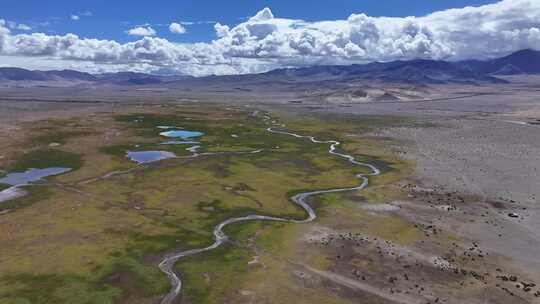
<point x="328" y="70"/>
<point x="16" y="74"/>
<point x="121" y="78"/>
<point x="521" y="62"/>
<point x="427" y="71"/>
<point x="131" y="78"/>
<point x="416" y="72"/>
<point x="71" y="75"/>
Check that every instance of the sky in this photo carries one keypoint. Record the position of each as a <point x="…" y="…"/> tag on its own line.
<point x="231" y="37"/>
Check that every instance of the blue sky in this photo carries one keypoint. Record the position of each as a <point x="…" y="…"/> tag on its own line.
<point x="110" y="19"/>
<point x="233" y="37"/>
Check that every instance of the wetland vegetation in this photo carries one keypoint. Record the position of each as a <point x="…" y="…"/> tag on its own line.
<point x="97" y="237"/>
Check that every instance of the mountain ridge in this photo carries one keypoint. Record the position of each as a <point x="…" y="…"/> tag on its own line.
<point x="418" y="71"/>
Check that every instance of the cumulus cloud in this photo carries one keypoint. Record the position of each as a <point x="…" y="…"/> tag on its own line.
<point x="142" y="31"/>
<point x="177" y="28"/>
<point x="264" y="15"/>
<point x="75" y="17"/>
<point x="4" y="34"/>
<point x="471" y="32"/>
<point x="265" y="41"/>
<point x="221" y="30"/>
<point x="14" y="25"/>
<point x="23" y="27"/>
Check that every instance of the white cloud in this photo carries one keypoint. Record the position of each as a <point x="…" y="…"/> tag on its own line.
<point x="23" y="27"/>
<point x="221" y="30"/>
<point x="142" y="31"/>
<point x="472" y="32"/>
<point x="196" y="22"/>
<point x="177" y="28"/>
<point x="14" y="25"/>
<point x="264" y="15"/>
<point x="78" y="16"/>
<point x="265" y="41"/>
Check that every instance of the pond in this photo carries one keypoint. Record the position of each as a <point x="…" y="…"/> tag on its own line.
<point x="144" y="157"/>
<point x="31" y="175"/>
<point x="178" y="137"/>
<point x="184" y="134"/>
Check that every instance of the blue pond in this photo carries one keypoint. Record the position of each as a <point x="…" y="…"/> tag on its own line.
<point x="31" y="175"/>
<point x="143" y="157"/>
<point x="181" y="134"/>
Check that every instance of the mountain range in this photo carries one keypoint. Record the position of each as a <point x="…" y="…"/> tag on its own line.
<point x="419" y="71"/>
<point x="120" y="78"/>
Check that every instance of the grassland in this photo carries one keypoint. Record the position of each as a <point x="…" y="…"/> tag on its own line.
<point x="45" y="158"/>
<point x="98" y="240"/>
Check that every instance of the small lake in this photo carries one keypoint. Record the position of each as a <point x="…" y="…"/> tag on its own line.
<point x="144" y="157"/>
<point x="184" y="134"/>
<point x="31" y="175"/>
<point x="178" y="137"/>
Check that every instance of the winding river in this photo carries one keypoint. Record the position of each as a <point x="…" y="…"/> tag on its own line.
<point x="300" y="199"/>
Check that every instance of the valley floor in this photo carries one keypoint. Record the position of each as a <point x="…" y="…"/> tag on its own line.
<point x="453" y="218"/>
